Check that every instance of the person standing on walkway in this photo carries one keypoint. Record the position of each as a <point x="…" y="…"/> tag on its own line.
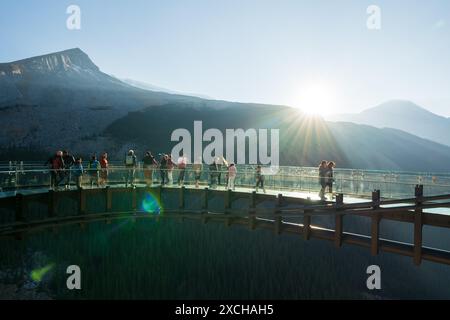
<point x="329" y="176"/>
<point x="232" y="172"/>
<point x="93" y="171"/>
<point x="323" y="169"/>
<point x="69" y="161"/>
<point x="259" y="179"/>
<point x="130" y="165"/>
<point x="182" y="163"/>
<point x="163" y="168"/>
<point x="197" y="167"/>
<point x="170" y="166"/>
<point x="104" y="166"/>
<point x="56" y="165"/>
<point x="150" y="163"/>
<point x="78" y="171"/>
<point x="213" y="174"/>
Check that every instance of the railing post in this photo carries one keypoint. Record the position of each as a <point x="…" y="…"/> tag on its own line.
<point x="82" y="201"/>
<point x="277" y="220"/>
<point x="252" y="212"/>
<point x="375" y="232"/>
<point x="307" y="225"/>
<point x="108" y="195"/>
<point x="205" y="205"/>
<point x="19" y="212"/>
<point x="339" y="221"/>
<point x="181" y="198"/>
<point x="228" y="197"/>
<point x="418" y="225"/>
<point x="134" y="200"/>
<point x="51" y="204"/>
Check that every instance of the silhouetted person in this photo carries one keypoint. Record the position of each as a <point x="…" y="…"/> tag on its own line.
<point x="329" y="176"/>
<point x="259" y="179"/>
<point x="323" y="168"/>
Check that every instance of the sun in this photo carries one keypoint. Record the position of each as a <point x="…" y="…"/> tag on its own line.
<point x="316" y="99"/>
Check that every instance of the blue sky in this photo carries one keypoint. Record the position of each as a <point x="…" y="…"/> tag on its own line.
<point x="252" y="50"/>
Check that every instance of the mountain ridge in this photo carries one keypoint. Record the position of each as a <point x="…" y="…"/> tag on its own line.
<point x="62" y="101"/>
<point x="402" y="115"/>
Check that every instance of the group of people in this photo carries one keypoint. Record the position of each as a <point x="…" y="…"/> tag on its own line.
<point x="64" y="167"/>
<point x="326" y="177"/>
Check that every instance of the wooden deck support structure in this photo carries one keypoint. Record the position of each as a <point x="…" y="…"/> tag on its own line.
<point x="405" y="210"/>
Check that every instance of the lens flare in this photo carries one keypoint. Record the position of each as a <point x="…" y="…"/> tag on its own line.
<point x="150" y="204"/>
<point x="38" y="274"/>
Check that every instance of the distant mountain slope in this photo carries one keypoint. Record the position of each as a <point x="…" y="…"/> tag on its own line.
<point x="303" y="141"/>
<point x="402" y="115"/>
<point x="63" y="100"/>
<point x="147" y="86"/>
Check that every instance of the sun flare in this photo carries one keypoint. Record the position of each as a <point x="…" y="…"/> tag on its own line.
<point x="316" y="99"/>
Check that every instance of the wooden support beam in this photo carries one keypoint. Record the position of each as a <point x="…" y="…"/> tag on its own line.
<point x="307" y="225"/>
<point x="252" y="212"/>
<point x="339" y="228"/>
<point x="19" y="212"/>
<point x="81" y="201"/>
<point x="205" y="205"/>
<point x="418" y="225"/>
<point x="375" y="227"/>
<point x="134" y="199"/>
<point x="20" y="208"/>
<point x="278" y="221"/>
<point x="52" y="203"/>
<point x="108" y="196"/>
<point x="181" y="197"/>
<point x="228" y="200"/>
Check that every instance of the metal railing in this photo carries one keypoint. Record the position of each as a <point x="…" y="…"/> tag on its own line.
<point x="303" y="179"/>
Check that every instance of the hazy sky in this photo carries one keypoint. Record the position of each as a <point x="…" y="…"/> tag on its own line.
<point x="252" y="50"/>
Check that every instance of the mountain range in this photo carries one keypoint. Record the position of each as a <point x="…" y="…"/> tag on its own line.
<point x="403" y="115"/>
<point x="63" y="100"/>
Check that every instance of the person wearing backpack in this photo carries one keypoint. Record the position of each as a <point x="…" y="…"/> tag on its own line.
<point x="93" y="171"/>
<point x="182" y="164"/>
<point x="130" y="164"/>
<point x="149" y="164"/>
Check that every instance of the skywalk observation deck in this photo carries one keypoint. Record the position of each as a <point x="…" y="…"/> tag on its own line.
<point x="420" y="202"/>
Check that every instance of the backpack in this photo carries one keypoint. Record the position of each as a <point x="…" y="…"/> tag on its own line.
<point x="129" y="160"/>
